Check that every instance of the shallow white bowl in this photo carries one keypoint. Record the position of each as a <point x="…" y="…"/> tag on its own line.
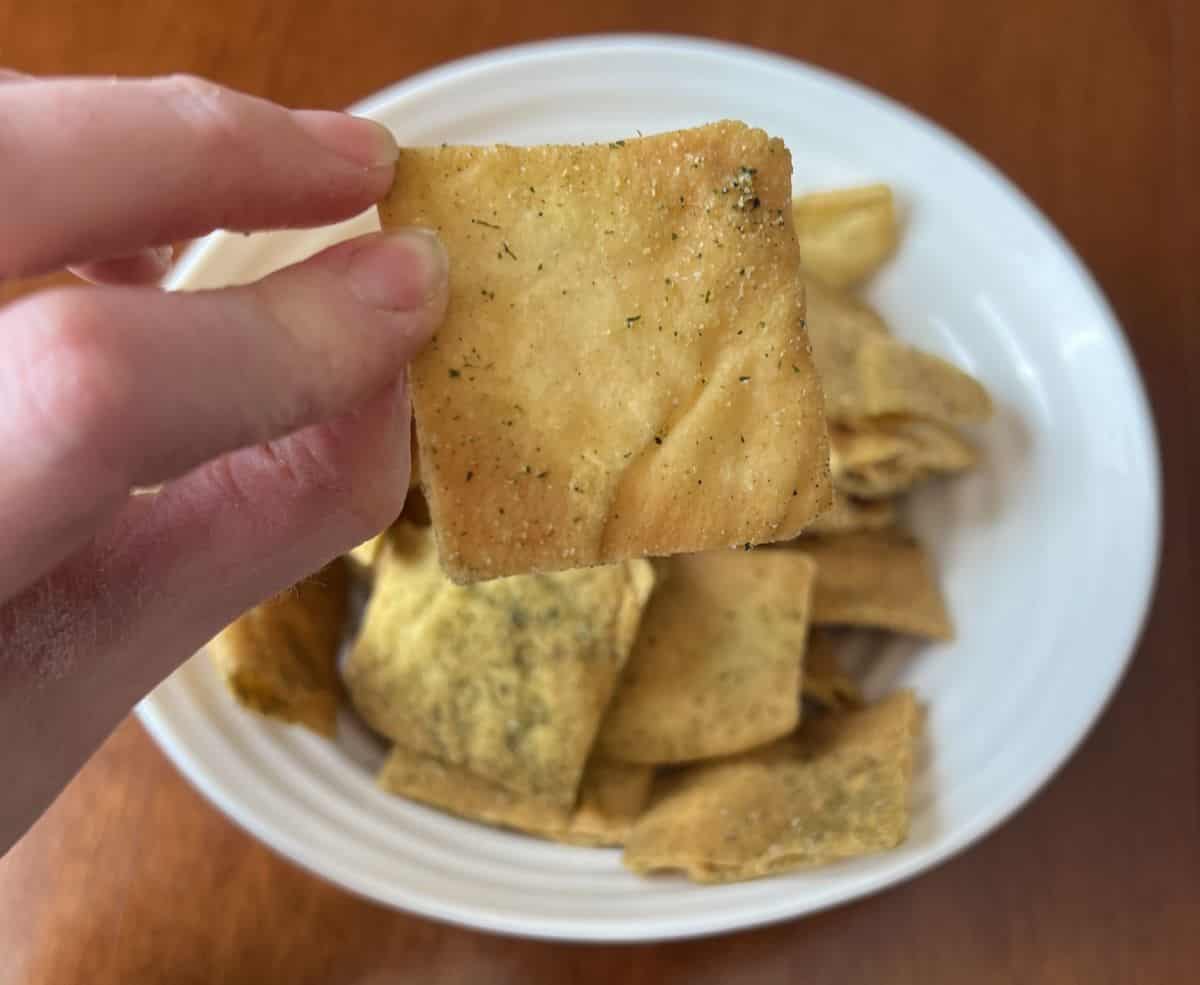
<point x="1047" y="553"/>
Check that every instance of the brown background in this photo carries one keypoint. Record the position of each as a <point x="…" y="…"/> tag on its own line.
<point x="1091" y="108"/>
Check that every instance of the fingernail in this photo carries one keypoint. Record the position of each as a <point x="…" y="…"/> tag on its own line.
<point x="401" y="270"/>
<point x="363" y="142"/>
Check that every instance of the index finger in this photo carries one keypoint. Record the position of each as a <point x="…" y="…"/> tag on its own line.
<point x="104" y="389"/>
<point x="93" y="169"/>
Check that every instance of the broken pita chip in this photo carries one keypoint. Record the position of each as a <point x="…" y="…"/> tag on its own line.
<point x="838" y="326"/>
<point x="898" y="379"/>
<point x="362" y="558"/>
<point x="867" y="462"/>
<point x="845" y="235"/>
<point x="881" y="579"/>
<point x="611" y="796"/>
<point x="280" y="658"/>
<point x="935" y="447"/>
<point x="924" y="444"/>
<point x="507" y="678"/>
<point x="860" y="445"/>
<point x="865" y="372"/>
<point x="848" y="514"/>
<point x="825" y="680"/>
<point x="880" y="457"/>
<point x="623" y="370"/>
<point x="879" y="483"/>
<point x="717" y="664"/>
<point x="837" y="790"/>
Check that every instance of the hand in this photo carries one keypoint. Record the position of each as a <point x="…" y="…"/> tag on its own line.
<point x="274" y="416"/>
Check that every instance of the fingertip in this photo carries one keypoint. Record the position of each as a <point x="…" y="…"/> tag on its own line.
<point x="403" y="270"/>
<point x="353" y="138"/>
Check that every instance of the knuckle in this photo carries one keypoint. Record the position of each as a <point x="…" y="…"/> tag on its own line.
<point x="194" y="88"/>
<point x="78" y="390"/>
<point x="311" y="465"/>
<point x="233" y="482"/>
<point x="311" y="474"/>
<point x="210" y="111"/>
<point x="291" y="468"/>
<point x="321" y="464"/>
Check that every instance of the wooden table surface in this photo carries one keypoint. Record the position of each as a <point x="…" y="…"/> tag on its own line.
<point x="1091" y="107"/>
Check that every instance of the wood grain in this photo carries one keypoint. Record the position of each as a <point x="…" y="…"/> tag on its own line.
<point x="1091" y="108"/>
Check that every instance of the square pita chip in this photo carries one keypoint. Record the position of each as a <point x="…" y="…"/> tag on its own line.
<point x="837" y="790"/>
<point x="507" y="679"/>
<point x="717" y="664"/>
<point x="881" y="579"/>
<point x="611" y="796"/>
<point x="623" y="370"/>
<point x="280" y="658"/>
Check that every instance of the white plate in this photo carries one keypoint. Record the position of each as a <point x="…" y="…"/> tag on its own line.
<point x="1047" y="553"/>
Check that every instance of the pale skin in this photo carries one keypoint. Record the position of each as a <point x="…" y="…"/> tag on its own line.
<point x="273" y="417"/>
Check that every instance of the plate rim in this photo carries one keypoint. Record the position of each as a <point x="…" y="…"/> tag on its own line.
<point x="483" y="917"/>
